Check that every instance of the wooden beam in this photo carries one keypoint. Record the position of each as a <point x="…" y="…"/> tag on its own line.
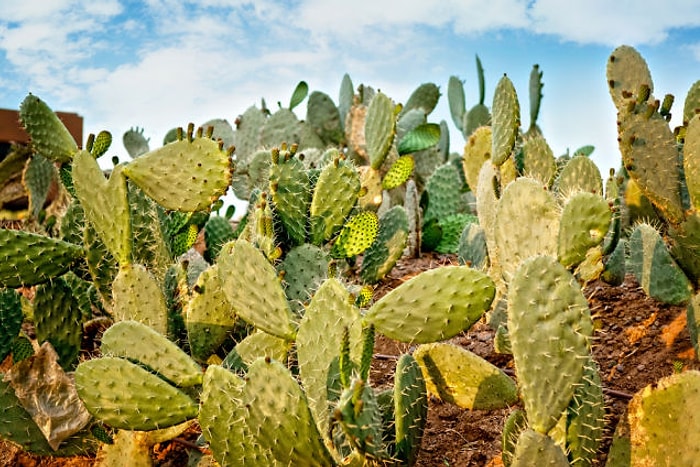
<point x="11" y="130"/>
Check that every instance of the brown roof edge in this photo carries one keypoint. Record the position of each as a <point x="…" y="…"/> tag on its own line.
<point x="11" y="130"/>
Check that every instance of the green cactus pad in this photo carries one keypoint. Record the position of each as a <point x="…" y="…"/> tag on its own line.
<point x="10" y="320"/>
<point x="323" y="116"/>
<point x="475" y="118"/>
<point x="334" y="196"/>
<point x="456" y="375"/>
<point x="217" y="231"/>
<point x="187" y="175"/>
<point x="506" y="120"/>
<point x="136" y="341"/>
<point x="30" y="259"/>
<point x="535" y="91"/>
<point x="534" y="448"/>
<point x="433" y="306"/>
<point x="387" y="248"/>
<point x="410" y="408"/>
<point x="105" y="204"/>
<point x="49" y="135"/>
<point x="420" y="138"/>
<point x="443" y="187"/>
<point x="472" y="250"/>
<point x="515" y="424"/>
<point x="380" y="126"/>
<point x="320" y="331"/>
<point x="585" y="419"/>
<point x="655" y="269"/>
<point x="538" y="160"/>
<point x="247" y="133"/>
<point x="456" y="101"/>
<point x="230" y="443"/>
<point x="356" y="235"/>
<point x="452" y="227"/>
<point x="305" y="268"/>
<point x="37" y="178"/>
<point x="425" y="97"/>
<point x="691" y="106"/>
<point x="291" y="193"/>
<point x="579" y="174"/>
<point x="526" y="224"/>
<point x="547" y="313"/>
<point x="280" y="418"/>
<point x="261" y="344"/>
<point x="360" y="418"/>
<point x="693" y="317"/>
<point x="584" y="222"/>
<point x="398" y="173"/>
<point x="691" y="161"/>
<point x="58" y="320"/>
<point x="138" y="297"/>
<point x="650" y="156"/>
<point x="251" y="285"/>
<point x="209" y="317"/>
<point x="662" y="412"/>
<point x="124" y="395"/>
<point x="626" y="72"/>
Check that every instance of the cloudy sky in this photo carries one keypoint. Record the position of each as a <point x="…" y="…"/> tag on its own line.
<point x="159" y="64"/>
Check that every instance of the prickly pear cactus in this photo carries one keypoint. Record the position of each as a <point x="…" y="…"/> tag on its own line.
<point x="320" y="330"/>
<point x="388" y="247"/>
<point x="31" y="259"/>
<point x="136" y="341"/>
<point x="187" y="175"/>
<point x="105" y="203"/>
<point x="357" y="235"/>
<point x="252" y="287"/>
<point x="280" y="418"/>
<point x="433" y="306"/>
<point x="547" y="312"/>
<point x="49" y="135"/>
<point x="654" y="267"/>
<point x="380" y="126"/>
<point x="659" y="413"/>
<point x="455" y="375"/>
<point x="626" y="71"/>
<point x="506" y="121"/>
<point x="124" y="395"/>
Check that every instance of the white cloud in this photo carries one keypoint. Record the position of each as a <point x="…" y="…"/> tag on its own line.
<point x="612" y="23"/>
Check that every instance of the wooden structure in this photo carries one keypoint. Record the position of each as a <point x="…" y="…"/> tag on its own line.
<point x="11" y="130"/>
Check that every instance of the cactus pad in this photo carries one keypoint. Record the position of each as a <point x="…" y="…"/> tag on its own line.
<point x="547" y="312"/>
<point x="251" y="285"/>
<point x="50" y="137"/>
<point x="136" y="341"/>
<point x="30" y="259"/>
<point x="187" y="175"/>
<point x="433" y="306"/>
<point x="105" y="204"/>
<point x="356" y="235"/>
<point x="126" y="396"/>
<point x="506" y="120"/>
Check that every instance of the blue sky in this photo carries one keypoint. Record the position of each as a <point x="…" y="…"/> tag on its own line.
<point x="158" y="64"/>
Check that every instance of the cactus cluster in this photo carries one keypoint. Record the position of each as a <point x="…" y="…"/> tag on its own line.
<point x="266" y="342"/>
